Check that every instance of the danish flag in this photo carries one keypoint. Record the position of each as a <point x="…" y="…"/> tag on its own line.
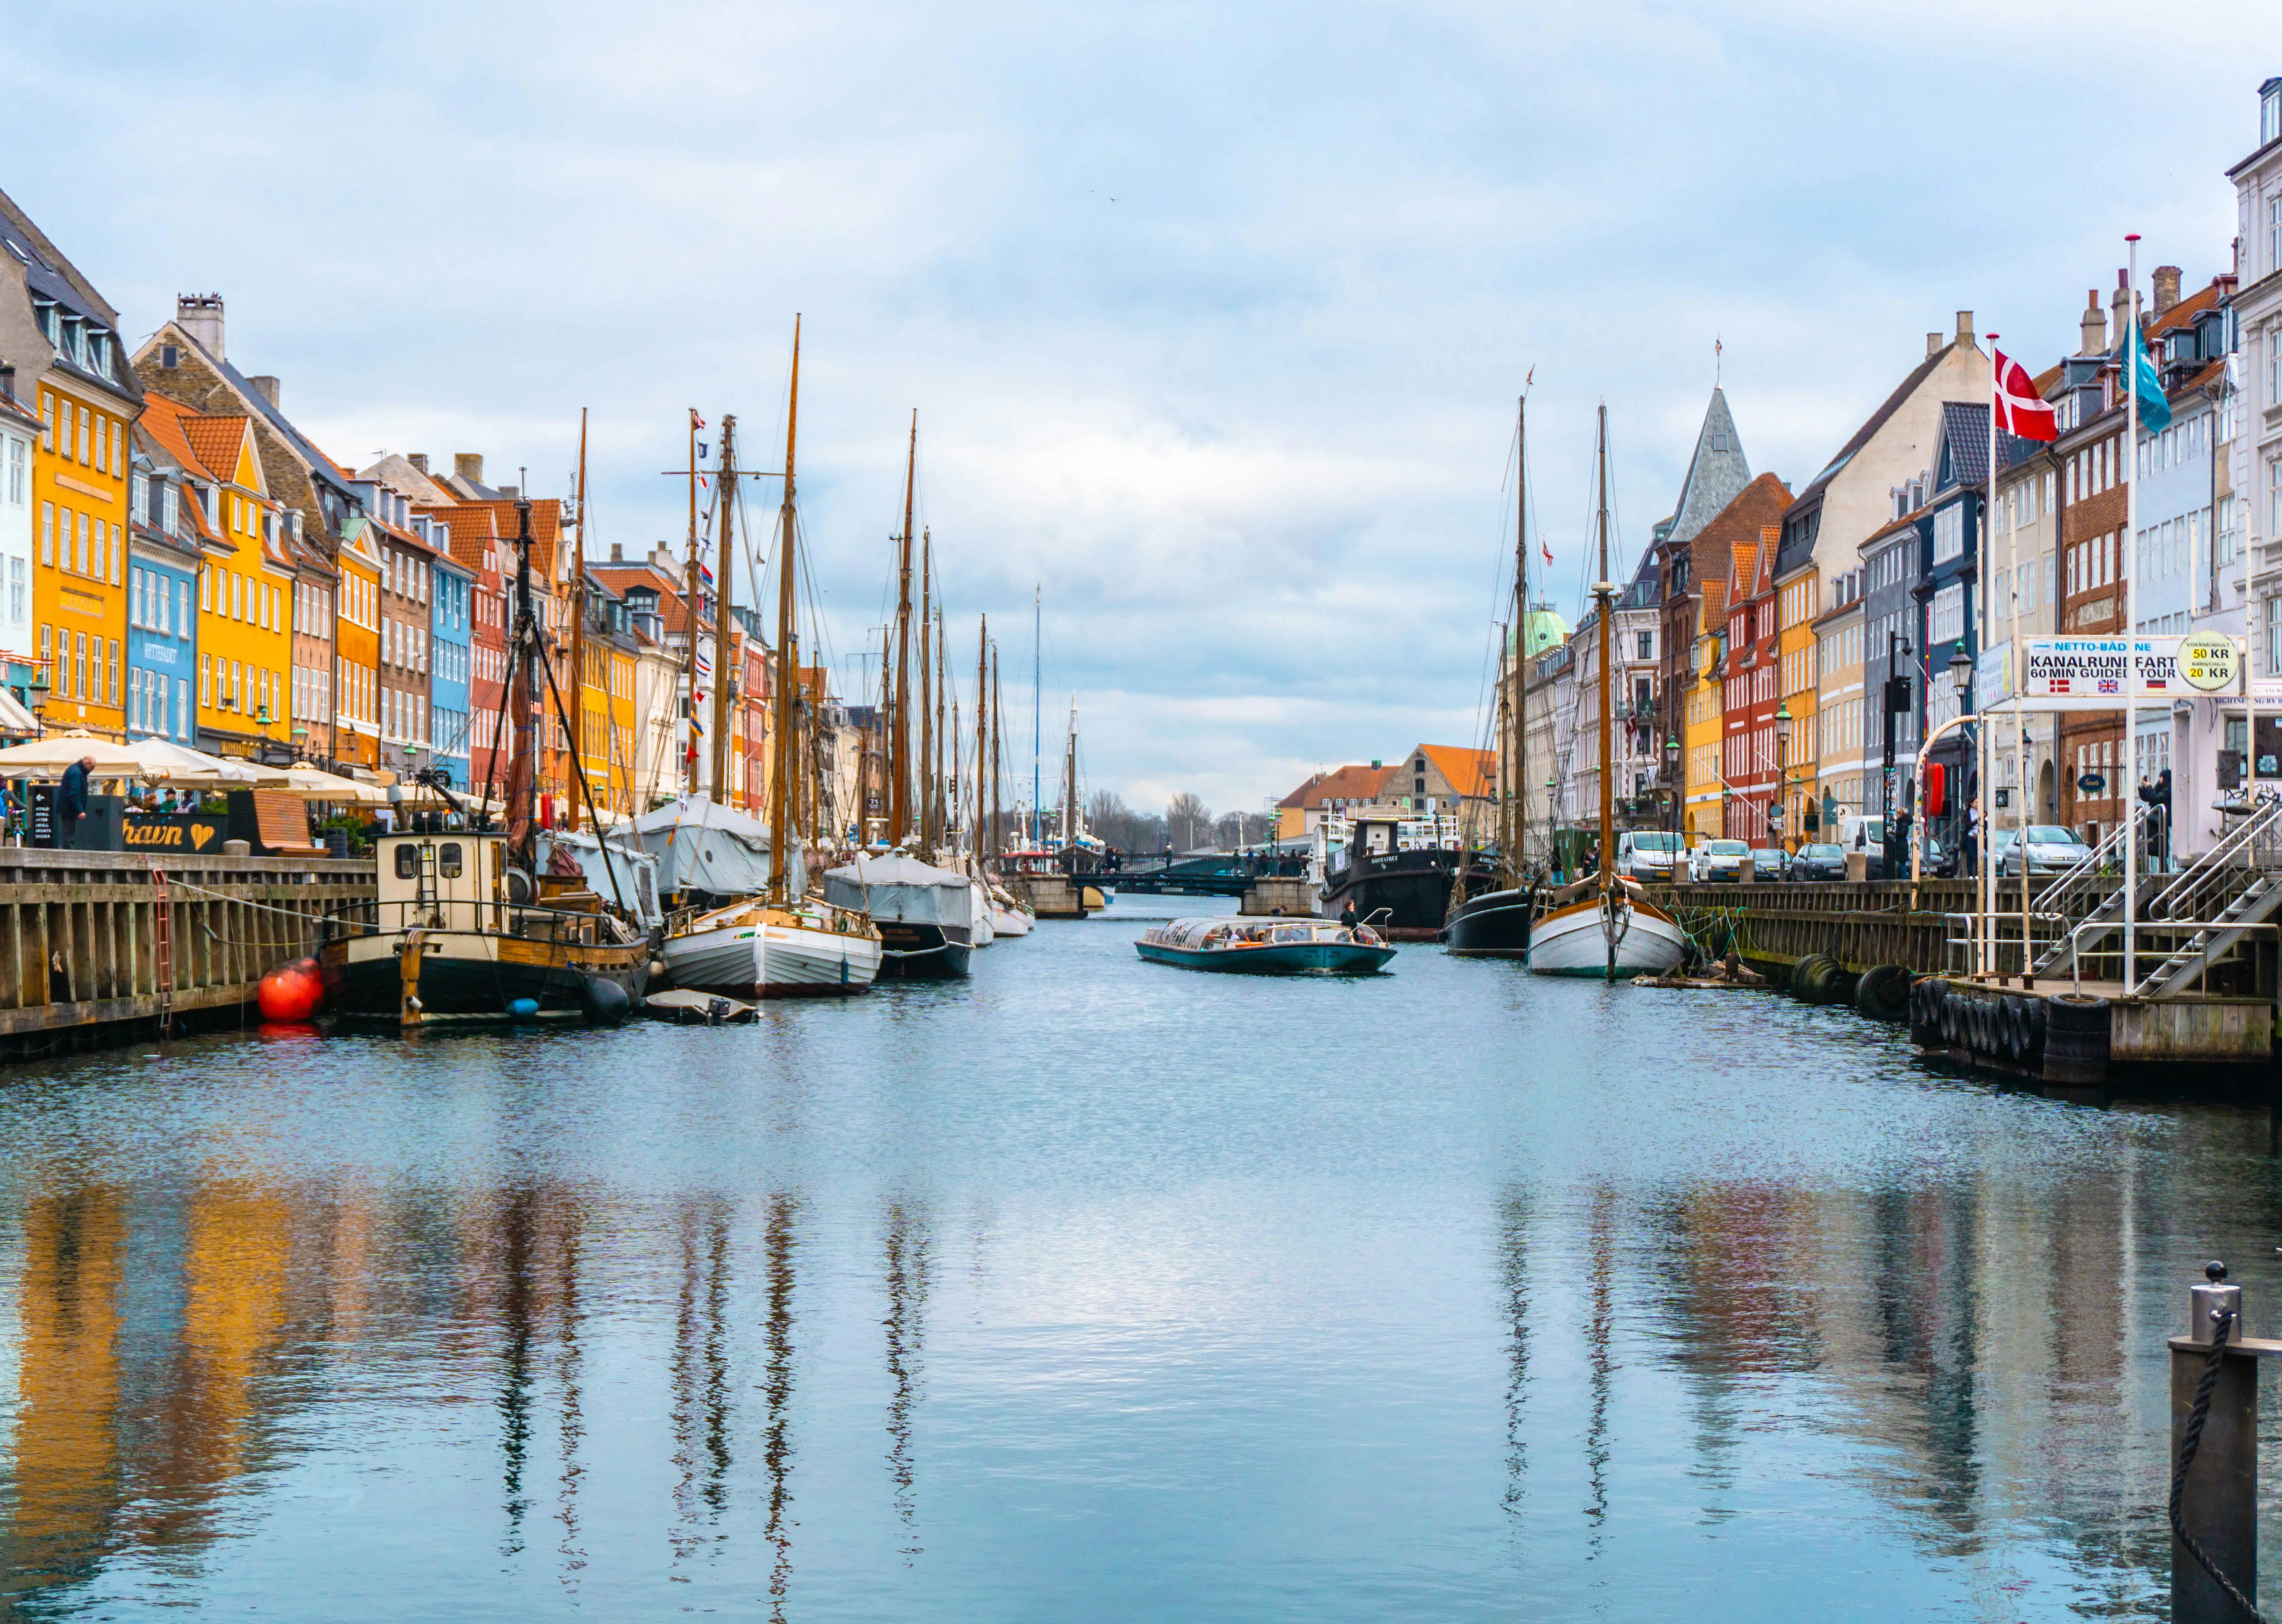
<point x="2019" y="410"/>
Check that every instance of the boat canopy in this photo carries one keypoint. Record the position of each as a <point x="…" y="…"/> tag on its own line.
<point x="702" y="845"/>
<point x="611" y="873"/>
<point x="900" y="889"/>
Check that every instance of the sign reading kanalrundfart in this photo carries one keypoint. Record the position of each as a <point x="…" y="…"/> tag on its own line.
<point x="2104" y="667"/>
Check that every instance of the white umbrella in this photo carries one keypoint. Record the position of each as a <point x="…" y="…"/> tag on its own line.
<point x="181" y="767"/>
<point x="48" y="758"/>
<point x="312" y="785"/>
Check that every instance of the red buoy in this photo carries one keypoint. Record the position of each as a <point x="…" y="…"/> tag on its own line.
<point x="292" y="991"/>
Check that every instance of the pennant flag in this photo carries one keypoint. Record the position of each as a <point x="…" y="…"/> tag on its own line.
<point x="703" y="450"/>
<point x="705" y="573"/>
<point x="2155" y="409"/>
<point x="1546" y="551"/>
<point x="2020" y="411"/>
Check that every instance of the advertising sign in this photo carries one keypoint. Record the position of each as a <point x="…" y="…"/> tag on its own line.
<point x="2124" y="668"/>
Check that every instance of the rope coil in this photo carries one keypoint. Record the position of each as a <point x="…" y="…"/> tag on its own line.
<point x="2191" y="1442"/>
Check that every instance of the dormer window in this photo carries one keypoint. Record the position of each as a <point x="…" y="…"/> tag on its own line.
<point x="170" y="509"/>
<point x="138" y="497"/>
<point x="2270" y="112"/>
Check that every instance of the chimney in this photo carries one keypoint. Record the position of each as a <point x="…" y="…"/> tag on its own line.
<point x="265" y="386"/>
<point x="199" y="314"/>
<point x="2167" y="287"/>
<point x="617" y="551"/>
<point x="2119" y="306"/>
<point x="418" y="459"/>
<point x="510" y="491"/>
<point x="1933" y="346"/>
<point x="2093" y="326"/>
<point x="1965" y="327"/>
<point x="468" y="465"/>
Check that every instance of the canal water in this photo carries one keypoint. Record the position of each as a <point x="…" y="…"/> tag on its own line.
<point x="1096" y="1289"/>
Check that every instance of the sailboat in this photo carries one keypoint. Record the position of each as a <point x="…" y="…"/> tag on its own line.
<point x="1011" y="916"/>
<point x="1605" y="925"/>
<point x="1493" y="923"/>
<point x="782" y="944"/>
<point x="925" y="914"/>
<point x="468" y="930"/>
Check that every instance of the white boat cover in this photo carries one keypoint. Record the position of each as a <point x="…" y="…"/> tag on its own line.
<point x="635" y="872"/>
<point x="901" y="888"/>
<point x="704" y="846"/>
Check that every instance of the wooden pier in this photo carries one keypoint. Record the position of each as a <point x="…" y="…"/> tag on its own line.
<point x="97" y="947"/>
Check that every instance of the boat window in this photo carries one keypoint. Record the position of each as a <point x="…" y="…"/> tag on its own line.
<point x="407" y="861"/>
<point x="1292" y="933"/>
<point x="447" y="859"/>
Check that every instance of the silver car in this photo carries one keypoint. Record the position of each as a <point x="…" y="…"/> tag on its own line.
<point x="2052" y="849"/>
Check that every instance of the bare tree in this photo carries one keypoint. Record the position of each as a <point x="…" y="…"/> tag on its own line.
<point x="1184" y="815"/>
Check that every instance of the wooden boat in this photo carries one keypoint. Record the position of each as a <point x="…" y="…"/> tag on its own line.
<point x="1267" y="947"/>
<point x="1605" y="925"/>
<point x="1491" y="914"/>
<point x="924" y="915"/>
<point x="783" y="944"/>
<point x="467" y="930"/>
<point x="1603" y="933"/>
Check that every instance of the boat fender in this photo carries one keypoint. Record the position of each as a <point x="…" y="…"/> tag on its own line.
<point x="292" y="991"/>
<point x="522" y="1009"/>
<point x="603" y="1001"/>
<point x="657" y="972"/>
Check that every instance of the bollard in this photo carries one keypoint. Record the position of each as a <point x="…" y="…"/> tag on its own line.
<point x="2219" y="1500"/>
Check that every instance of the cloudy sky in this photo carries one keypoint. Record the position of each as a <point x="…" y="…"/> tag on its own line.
<point x="1213" y="316"/>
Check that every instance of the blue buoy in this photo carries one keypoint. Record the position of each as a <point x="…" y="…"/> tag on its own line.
<point x="522" y="1009"/>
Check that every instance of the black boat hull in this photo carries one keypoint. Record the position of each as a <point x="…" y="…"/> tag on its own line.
<point x="1493" y="925"/>
<point x="922" y="953"/>
<point x="1407" y="891"/>
<point x="455" y="989"/>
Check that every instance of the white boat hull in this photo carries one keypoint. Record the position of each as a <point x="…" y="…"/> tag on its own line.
<point x="1574" y="941"/>
<point x="1009" y="922"/>
<point x="770" y="960"/>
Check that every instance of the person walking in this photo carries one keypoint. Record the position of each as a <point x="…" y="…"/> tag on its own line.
<point x="1973" y="839"/>
<point x="71" y="800"/>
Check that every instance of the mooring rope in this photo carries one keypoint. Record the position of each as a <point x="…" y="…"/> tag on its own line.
<point x="2190" y="1443"/>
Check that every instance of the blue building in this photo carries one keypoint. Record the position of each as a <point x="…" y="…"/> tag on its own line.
<point x="451" y="633"/>
<point x="167" y="540"/>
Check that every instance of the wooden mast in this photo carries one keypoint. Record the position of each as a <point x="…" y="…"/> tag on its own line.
<point x="689" y="598"/>
<point x="983" y="721"/>
<point x="788" y="662"/>
<point x="899" y="764"/>
<point x="884" y="718"/>
<point x="926" y="697"/>
<point x="998" y="748"/>
<point x="1515" y="834"/>
<point x="1604" y="594"/>
<point x="942" y="830"/>
<point x="725" y="496"/>
<point x="579" y="626"/>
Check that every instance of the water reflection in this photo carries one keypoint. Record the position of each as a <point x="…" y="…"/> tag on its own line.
<point x="907" y="1243"/>
<point x="1167" y="1326"/>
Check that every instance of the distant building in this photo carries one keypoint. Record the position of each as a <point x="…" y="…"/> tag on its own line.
<point x="1328" y="794"/>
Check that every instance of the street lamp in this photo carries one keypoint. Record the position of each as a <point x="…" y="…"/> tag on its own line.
<point x="1782" y="766"/>
<point x="1960" y="670"/>
<point x="1672" y="775"/>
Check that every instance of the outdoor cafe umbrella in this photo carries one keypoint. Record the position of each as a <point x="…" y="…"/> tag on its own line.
<point x="48" y="758"/>
<point x="179" y="766"/>
<point x="313" y="784"/>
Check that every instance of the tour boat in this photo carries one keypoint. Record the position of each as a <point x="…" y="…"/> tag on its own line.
<point x="924" y="915"/>
<point x="1598" y="933"/>
<point x="1265" y="947"/>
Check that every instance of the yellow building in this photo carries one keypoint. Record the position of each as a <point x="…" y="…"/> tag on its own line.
<point x="1705" y="724"/>
<point x="79" y="493"/>
<point x="1798" y="605"/>
<point x="246" y="591"/>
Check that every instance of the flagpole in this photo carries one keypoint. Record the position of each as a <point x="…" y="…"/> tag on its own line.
<point x="2126" y="753"/>
<point x="2016" y="675"/>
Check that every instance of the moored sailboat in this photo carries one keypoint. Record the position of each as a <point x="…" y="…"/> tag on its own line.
<point x="1603" y="925"/>
<point x="783" y="944"/>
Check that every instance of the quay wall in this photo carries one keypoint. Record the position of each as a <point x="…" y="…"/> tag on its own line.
<point x="1773" y="925"/>
<point x="98" y="947"/>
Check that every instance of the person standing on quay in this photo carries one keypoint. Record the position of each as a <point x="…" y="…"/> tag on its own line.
<point x="71" y="800"/>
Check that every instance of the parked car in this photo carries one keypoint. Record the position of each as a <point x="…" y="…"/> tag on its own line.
<point x="1867" y="836"/>
<point x="1720" y="859"/>
<point x="1819" y="862"/>
<point x="1649" y="854"/>
<point x="2052" y="849"/>
<point x="1770" y="863"/>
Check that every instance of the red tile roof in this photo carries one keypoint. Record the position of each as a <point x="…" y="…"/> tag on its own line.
<point x="217" y="440"/>
<point x="1471" y="771"/>
<point x="1346" y="783"/>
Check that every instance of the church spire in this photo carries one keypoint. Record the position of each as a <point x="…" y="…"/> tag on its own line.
<point x="1716" y="475"/>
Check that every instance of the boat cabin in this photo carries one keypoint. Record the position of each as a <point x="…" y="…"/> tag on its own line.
<point x="460" y="880"/>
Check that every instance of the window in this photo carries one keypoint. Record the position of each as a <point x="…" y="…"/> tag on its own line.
<point x="1647" y="646"/>
<point x="18" y="592"/>
<point x="205" y="679"/>
<point x="19" y="472"/>
<point x="1947" y="615"/>
<point x="48" y="534"/>
<point x="1949" y="533"/>
<point x="78" y="663"/>
<point x="85" y="422"/>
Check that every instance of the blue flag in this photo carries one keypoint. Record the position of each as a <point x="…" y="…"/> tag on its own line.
<point x="2155" y="410"/>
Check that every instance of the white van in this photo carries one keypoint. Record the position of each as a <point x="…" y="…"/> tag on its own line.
<point x="1865" y="834"/>
<point x="1650" y="854"/>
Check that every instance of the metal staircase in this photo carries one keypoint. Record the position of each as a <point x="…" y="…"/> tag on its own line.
<point x="2091" y="891"/>
<point x="2234" y="887"/>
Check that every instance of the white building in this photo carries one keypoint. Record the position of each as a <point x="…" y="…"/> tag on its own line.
<point x="19" y="427"/>
<point x="2256" y="463"/>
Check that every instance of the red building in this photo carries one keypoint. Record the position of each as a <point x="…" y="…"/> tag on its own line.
<point x="1750" y="688"/>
